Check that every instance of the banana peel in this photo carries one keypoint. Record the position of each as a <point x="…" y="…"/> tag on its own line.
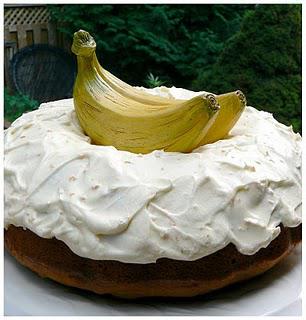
<point x="111" y="112"/>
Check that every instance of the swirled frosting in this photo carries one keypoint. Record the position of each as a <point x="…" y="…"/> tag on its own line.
<point x="109" y="204"/>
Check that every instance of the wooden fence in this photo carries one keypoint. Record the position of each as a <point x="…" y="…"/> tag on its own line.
<point x="25" y="25"/>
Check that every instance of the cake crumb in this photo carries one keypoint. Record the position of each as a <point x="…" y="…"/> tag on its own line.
<point x="95" y="187"/>
<point x="165" y="236"/>
<point x="72" y="178"/>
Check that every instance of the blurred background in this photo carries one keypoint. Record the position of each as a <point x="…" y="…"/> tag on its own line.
<point x="216" y="48"/>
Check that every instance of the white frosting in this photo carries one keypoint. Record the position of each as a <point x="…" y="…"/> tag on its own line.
<point x="109" y="204"/>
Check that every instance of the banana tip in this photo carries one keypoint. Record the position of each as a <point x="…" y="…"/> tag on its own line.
<point x="241" y="97"/>
<point x="214" y="105"/>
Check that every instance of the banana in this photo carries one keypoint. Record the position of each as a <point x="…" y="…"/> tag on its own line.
<point x="232" y="105"/>
<point x="111" y="112"/>
<point x="114" y="113"/>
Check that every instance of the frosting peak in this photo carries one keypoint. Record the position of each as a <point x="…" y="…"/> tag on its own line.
<point x="115" y="205"/>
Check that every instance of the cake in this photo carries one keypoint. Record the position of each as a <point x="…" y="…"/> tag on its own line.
<point x="157" y="224"/>
<point x="141" y="192"/>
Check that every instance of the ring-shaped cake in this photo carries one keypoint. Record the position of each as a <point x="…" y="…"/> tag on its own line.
<point x="157" y="224"/>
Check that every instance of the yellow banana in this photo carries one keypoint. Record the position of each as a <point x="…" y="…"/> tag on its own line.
<point x="114" y="113"/>
<point x="232" y="105"/>
<point x="111" y="112"/>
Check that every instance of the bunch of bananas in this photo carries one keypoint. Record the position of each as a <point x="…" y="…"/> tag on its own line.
<point x="111" y="112"/>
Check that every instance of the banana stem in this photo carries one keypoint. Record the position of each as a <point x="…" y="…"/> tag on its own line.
<point x="83" y="44"/>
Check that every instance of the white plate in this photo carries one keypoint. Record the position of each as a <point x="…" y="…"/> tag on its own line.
<point x="278" y="292"/>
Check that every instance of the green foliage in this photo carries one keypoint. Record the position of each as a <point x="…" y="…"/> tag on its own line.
<point x="263" y="59"/>
<point x="16" y="105"/>
<point x="217" y="48"/>
<point x="152" y="81"/>
<point x="173" y="41"/>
